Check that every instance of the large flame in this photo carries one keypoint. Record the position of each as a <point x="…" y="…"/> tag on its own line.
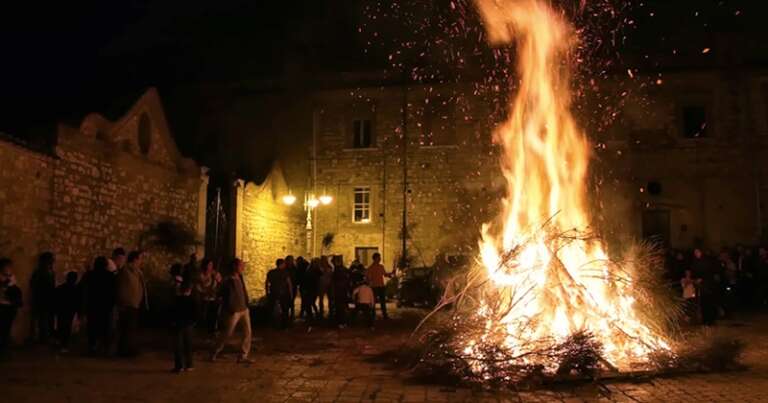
<point x="554" y="286"/>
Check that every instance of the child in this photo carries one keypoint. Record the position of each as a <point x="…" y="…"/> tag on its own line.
<point x="10" y="302"/>
<point x="183" y="318"/>
<point x="363" y="296"/>
<point x="68" y="301"/>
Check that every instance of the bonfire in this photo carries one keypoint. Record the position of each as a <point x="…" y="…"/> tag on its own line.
<point x="545" y="296"/>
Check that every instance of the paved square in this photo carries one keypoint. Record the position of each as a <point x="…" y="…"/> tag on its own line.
<point x="328" y="365"/>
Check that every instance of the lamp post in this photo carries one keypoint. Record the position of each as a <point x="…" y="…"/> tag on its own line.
<point x="311" y="202"/>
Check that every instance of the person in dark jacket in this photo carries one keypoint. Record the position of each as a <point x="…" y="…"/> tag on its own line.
<point x="279" y="289"/>
<point x="10" y="302"/>
<point x="341" y="291"/>
<point x="99" y="295"/>
<point x="309" y="285"/>
<point x="234" y="308"/>
<point x="68" y="303"/>
<point x="183" y="319"/>
<point x="42" y="286"/>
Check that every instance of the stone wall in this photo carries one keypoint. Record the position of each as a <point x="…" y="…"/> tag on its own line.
<point x="266" y="228"/>
<point x="94" y="192"/>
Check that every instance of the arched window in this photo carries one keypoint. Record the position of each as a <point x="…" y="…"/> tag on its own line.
<point x="145" y="133"/>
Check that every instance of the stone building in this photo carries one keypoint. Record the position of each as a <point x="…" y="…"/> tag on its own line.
<point x="682" y="164"/>
<point x="103" y="185"/>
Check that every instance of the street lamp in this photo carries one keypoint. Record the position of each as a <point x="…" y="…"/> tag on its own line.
<point x="289" y="199"/>
<point x="326" y="199"/>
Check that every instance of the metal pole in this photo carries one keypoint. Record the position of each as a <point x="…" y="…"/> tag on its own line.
<point x="404" y="253"/>
<point x="216" y="230"/>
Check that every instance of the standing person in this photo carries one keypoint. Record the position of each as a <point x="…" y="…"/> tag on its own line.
<point x="375" y="277"/>
<point x="68" y="304"/>
<point x="703" y="269"/>
<point x="301" y="271"/>
<point x="290" y="267"/>
<point x="183" y="319"/>
<point x="191" y="270"/>
<point x="340" y="291"/>
<point x="309" y="287"/>
<point x="130" y="295"/>
<point x="207" y="287"/>
<point x="117" y="262"/>
<point x="324" y="287"/>
<point x="177" y="277"/>
<point x="43" y="287"/>
<point x="279" y="288"/>
<point x="234" y="298"/>
<point x="365" y="303"/>
<point x="99" y="305"/>
<point x="10" y="302"/>
<point x="690" y="306"/>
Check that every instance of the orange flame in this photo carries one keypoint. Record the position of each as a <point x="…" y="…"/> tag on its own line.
<point x="556" y="288"/>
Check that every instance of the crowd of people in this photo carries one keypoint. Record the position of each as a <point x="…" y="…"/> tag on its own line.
<point x="715" y="286"/>
<point x="109" y="297"/>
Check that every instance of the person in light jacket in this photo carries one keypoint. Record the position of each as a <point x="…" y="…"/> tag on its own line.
<point x="130" y="295"/>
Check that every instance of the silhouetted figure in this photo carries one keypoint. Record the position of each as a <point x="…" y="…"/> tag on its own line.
<point x="68" y="304"/>
<point x="183" y="318"/>
<point x="130" y="296"/>
<point x="234" y="297"/>
<point x="290" y="267"/>
<point x="10" y="302"/>
<point x="279" y="288"/>
<point x="309" y="286"/>
<point x="341" y="291"/>
<point x="42" y="287"/>
<point x="704" y="269"/>
<point x="99" y="290"/>
<point x="325" y="286"/>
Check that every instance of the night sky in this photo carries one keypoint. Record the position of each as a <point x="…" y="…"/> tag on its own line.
<point x="62" y="60"/>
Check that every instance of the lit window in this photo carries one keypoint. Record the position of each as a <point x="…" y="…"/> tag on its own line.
<point x="362" y="136"/>
<point x="361" y="208"/>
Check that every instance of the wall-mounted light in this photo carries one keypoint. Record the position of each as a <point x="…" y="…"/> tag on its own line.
<point x="289" y="199"/>
<point x="326" y="199"/>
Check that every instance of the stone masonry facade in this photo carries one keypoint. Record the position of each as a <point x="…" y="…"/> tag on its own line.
<point x="266" y="228"/>
<point x="104" y="185"/>
<point x="683" y="163"/>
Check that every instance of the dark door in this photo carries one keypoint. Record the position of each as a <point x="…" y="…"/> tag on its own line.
<point x="364" y="254"/>
<point x="656" y="226"/>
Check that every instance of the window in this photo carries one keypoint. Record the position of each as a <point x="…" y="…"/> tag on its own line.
<point x="694" y="122"/>
<point x="364" y="254"/>
<point x="361" y="208"/>
<point x="362" y="137"/>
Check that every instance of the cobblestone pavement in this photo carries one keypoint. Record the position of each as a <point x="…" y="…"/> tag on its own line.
<point x="327" y="365"/>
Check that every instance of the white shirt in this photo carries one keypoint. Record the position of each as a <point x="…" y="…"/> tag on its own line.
<point x="363" y="295"/>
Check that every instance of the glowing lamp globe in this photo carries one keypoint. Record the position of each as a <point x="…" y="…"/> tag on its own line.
<point x="326" y="199"/>
<point x="312" y="203"/>
<point x="289" y="199"/>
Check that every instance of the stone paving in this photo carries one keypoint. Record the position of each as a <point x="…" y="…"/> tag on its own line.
<point x="328" y="365"/>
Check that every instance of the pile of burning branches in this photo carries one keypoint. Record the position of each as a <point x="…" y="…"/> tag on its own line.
<point x="472" y="335"/>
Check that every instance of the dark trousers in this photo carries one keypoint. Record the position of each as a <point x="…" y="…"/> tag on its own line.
<point x="182" y="346"/>
<point x="211" y="315"/>
<point x="380" y="293"/>
<point x="308" y="306"/>
<point x="128" y="323"/>
<point x="292" y="303"/>
<point x="7" y="316"/>
<point x="42" y="324"/>
<point x="708" y="309"/>
<point x="340" y="310"/>
<point x="64" y="327"/>
<point x="368" y="311"/>
<point x="99" y="330"/>
<point x="279" y="308"/>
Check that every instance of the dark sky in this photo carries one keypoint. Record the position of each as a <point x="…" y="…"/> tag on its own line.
<point x="63" y="59"/>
